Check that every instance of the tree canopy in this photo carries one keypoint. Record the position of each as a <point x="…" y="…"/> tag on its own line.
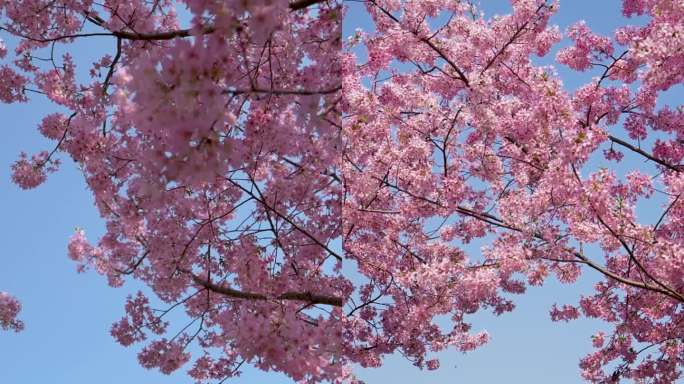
<point x="309" y="209"/>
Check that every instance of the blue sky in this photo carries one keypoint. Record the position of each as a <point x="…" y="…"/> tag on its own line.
<point x="68" y="315"/>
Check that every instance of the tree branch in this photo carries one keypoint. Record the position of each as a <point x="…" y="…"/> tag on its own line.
<point x="676" y="168"/>
<point x="303" y="4"/>
<point x="308" y="297"/>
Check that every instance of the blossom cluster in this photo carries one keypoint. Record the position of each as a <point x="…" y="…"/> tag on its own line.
<point x="9" y="310"/>
<point x="307" y="210"/>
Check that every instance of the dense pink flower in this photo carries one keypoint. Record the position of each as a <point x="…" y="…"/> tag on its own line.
<point x="9" y="310"/>
<point x="30" y="173"/>
<point x="432" y="364"/>
<point x="53" y="126"/>
<point x="12" y="85"/>
<point x="307" y="210"/>
<point x="587" y="47"/>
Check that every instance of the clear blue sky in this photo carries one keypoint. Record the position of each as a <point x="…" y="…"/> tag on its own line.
<point x="68" y="315"/>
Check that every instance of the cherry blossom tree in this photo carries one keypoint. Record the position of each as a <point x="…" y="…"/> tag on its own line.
<point x="211" y="152"/>
<point x="452" y="133"/>
<point x="308" y="211"/>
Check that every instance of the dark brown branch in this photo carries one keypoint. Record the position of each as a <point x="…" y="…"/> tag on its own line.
<point x="308" y="297"/>
<point x="285" y="92"/>
<point x="303" y="4"/>
<point x="453" y="65"/>
<point x="169" y="35"/>
<point x="669" y="207"/>
<point x="676" y="168"/>
<point x="637" y="284"/>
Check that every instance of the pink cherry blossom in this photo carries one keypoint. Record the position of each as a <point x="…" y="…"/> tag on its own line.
<point x="470" y="139"/>
<point x="9" y="310"/>
<point x="304" y="210"/>
<point x="30" y="173"/>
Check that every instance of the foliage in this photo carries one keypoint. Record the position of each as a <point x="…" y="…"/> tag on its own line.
<point x="309" y="211"/>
